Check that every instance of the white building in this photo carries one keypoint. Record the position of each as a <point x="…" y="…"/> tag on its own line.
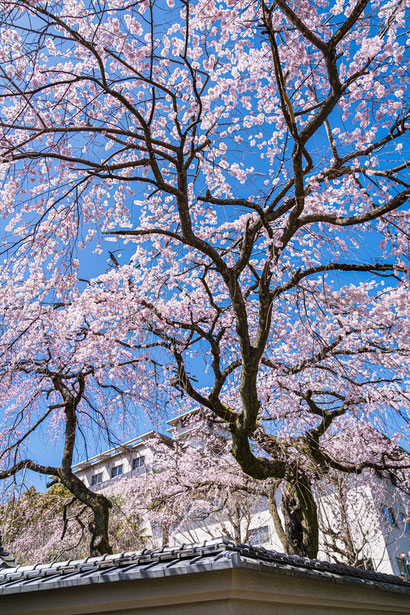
<point x="132" y="458"/>
<point x="376" y="522"/>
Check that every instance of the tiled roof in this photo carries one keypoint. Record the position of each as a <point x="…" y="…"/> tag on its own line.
<point x="185" y="559"/>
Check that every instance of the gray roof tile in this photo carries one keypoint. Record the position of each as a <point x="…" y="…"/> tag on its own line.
<point x="184" y="559"/>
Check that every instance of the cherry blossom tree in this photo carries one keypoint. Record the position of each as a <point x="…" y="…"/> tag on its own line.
<point x="194" y="491"/>
<point x="249" y="158"/>
<point x="53" y="526"/>
<point x="196" y="486"/>
<point x="45" y="391"/>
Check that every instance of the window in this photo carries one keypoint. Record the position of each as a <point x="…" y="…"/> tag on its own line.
<point x="388" y="515"/>
<point x="406" y="522"/>
<point x="259" y="535"/>
<point x="96" y="479"/>
<point x="116" y="471"/>
<point x="139" y="464"/>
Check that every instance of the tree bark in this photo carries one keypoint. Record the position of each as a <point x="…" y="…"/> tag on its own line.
<point x="165" y="535"/>
<point x="100" y="506"/>
<point x="99" y="544"/>
<point x="98" y="503"/>
<point x="277" y="521"/>
<point x="301" y="522"/>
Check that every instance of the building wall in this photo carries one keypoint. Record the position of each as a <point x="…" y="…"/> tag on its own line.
<point x="105" y="464"/>
<point x="220" y="592"/>
<point x="367" y="522"/>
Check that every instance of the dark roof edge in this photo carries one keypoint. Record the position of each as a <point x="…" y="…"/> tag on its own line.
<point x="186" y="559"/>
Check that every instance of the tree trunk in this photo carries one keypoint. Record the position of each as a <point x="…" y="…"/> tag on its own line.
<point x="277" y="521"/>
<point x="100" y="506"/>
<point x="99" y="544"/>
<point x="300" y="515"/>
<point x="165" y="535"/>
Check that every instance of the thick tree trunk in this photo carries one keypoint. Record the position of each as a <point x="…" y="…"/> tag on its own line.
<point x="300" y="534"/>
<point x="300" y="515"/>
<point x="99" y="544"/>
<point x="100" y="506"/>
